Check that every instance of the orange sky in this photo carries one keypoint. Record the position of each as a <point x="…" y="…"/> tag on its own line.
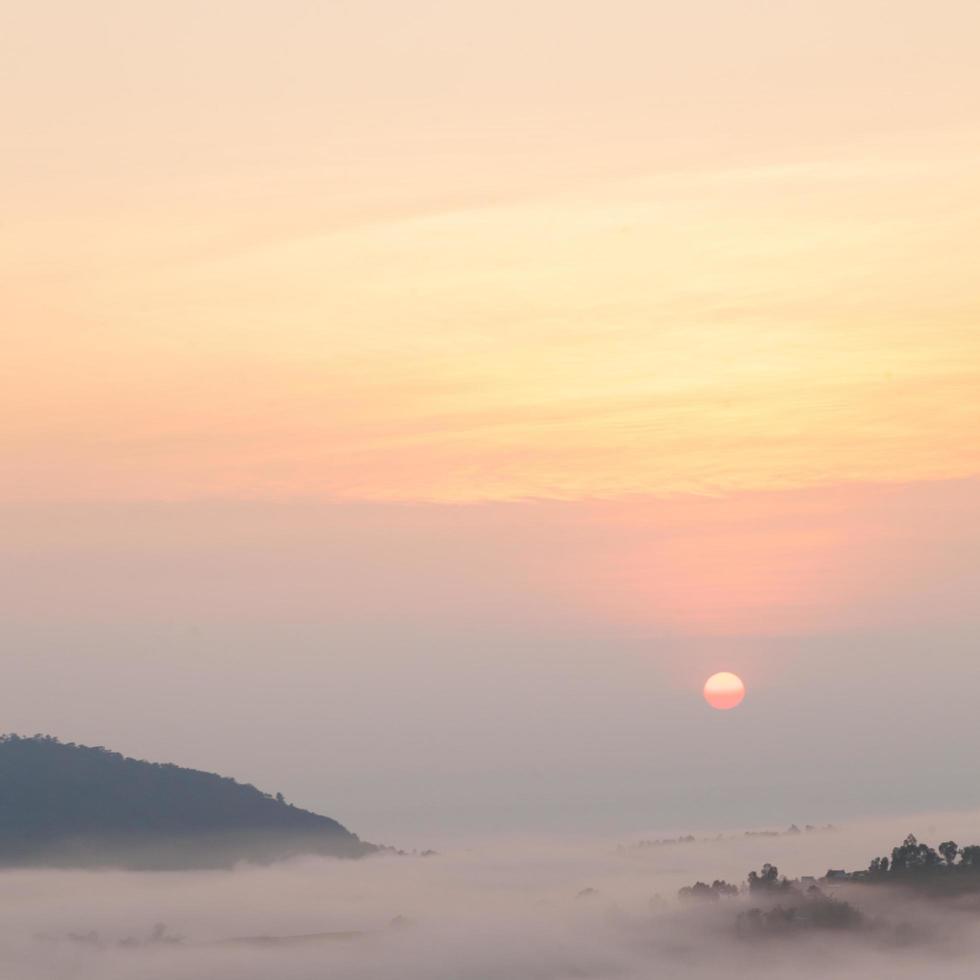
<point x="339" y="254"/>
<point x="362" y="271"/>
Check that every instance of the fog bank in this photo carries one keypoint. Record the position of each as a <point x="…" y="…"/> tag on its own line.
<point x="522" y="908"/>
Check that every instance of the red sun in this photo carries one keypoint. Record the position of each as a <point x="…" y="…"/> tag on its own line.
<point x="724" y="691"/>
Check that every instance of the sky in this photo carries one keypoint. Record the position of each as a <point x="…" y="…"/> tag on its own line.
<point x="405" y="406"/>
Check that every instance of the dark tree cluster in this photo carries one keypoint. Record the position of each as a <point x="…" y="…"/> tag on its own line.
<point x="782" y="906"/>
<point x="785" y="907"/>
<point x="812" y="910"/>
<point x="768" y="880"/>
<point x="947" y="867"/>
<point x="700" y="891"/>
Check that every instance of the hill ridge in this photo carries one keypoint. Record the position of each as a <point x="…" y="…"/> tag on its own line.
<point x="67" y="804"/>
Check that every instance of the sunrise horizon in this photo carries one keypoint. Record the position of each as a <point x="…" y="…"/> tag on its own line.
<point x="489" y="489"/>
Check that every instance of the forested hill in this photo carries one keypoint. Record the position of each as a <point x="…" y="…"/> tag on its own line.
<point x="70" y="805"/>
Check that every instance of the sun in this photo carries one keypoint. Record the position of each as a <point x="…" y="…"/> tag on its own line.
<point x="724" y="690"/>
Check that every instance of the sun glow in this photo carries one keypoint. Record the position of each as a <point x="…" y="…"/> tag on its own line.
<point x="724" y="690"/>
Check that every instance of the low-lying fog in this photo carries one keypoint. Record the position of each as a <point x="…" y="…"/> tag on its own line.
<point x="512" y="910"/>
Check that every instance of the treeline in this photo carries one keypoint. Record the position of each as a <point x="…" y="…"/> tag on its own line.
<point x="783" y="906"/>
<point x="788" y="905"/>
<point x="947" y="867"/>
<point x="912" y="863"/>
<point x="641" y="845"/>
<point x="913" y="858"/>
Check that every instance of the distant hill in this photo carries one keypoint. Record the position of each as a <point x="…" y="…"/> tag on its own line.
<point x="66" y="805"/>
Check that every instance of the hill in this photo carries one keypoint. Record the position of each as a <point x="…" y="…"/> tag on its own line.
<point x="67" y="805"/>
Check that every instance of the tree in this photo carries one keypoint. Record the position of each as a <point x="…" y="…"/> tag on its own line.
<point x="767" y="879"/>
<point x="698" y="891"/>
<point x="913" y="856"/>
<point x="949" y="850"/>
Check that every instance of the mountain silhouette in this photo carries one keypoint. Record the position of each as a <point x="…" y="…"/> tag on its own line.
<point x="67" y="805"/>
